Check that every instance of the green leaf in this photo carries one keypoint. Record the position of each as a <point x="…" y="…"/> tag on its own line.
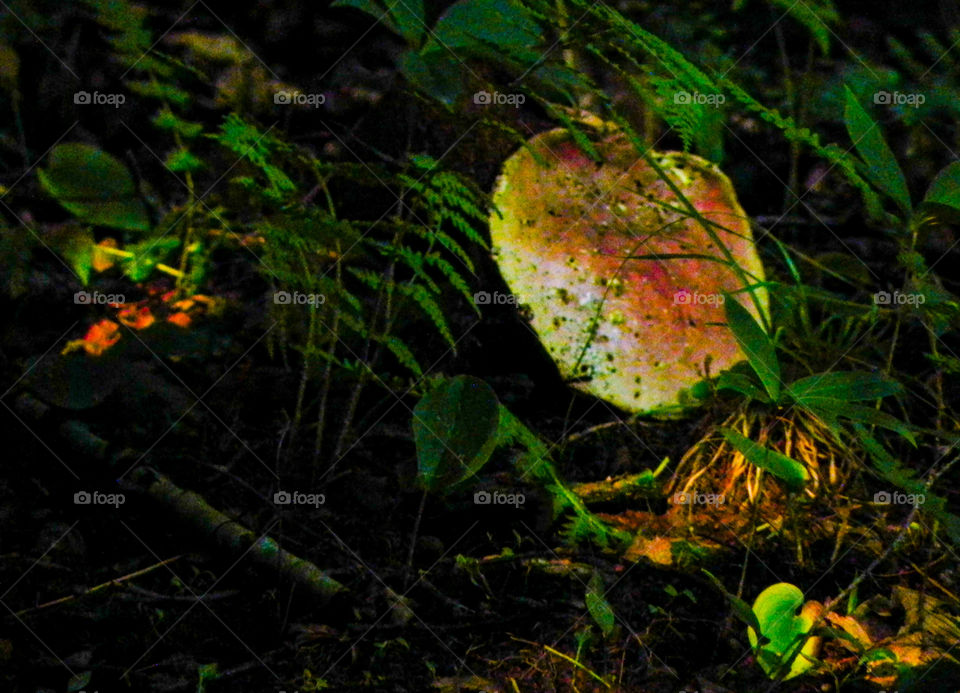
<point x="944" y="192"/>
<point x="79" y="682"/>
<point x="830" y="410"/>
<point x="843" y="386"/>
<point x="434" y="72"/>
<point x="455" y="431"/>
<point x="745" y="385"/>
<point x="787" y="469"/>
<point x="881" y="167"/>
<point x="180" y="160"/>
<point x="755" y="344"/>
<point x="776" y="610"/>
<point x="599" y="607"/>
<point x="75" y="245"/>
<point x="94" y="186"/>
<point x="146" y="255"/>
<point x="470" y="23"/>
<point x="403" y="17"/>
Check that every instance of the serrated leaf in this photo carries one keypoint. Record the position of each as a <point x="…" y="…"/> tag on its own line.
<point x="455" y="431"/>
<point x="787" y="469"/>
<point x="755" y="344"/>
<point x="881" y="166"/>
<point x="94" y="186"/>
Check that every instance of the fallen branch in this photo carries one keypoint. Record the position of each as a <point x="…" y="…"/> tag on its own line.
<point x="190" y="507"/>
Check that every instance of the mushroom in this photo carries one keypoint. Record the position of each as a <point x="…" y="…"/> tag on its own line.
<point x="591" y="249"/>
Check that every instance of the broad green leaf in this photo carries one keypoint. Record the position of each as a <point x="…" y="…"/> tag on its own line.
<point x="787" y="469"/>
<point x="599" y="607"/>
<point x="776" y="610"/>
<point x="881" y="166"/>
<point x="846" y="386"/>
<point x="944" y="192"/>
<point x="94" y="186"/>
<point x="435" y="72"/>
<point x="755" y="344"/>
<point x="403" y="17"/>
<point x="502" y="24"/>
<point x="455" y="431"/>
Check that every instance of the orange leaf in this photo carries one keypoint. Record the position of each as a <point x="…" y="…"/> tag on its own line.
<point x="136" y="317"/>
<point x="179" y="319"/>
<point x="101" y="337"/>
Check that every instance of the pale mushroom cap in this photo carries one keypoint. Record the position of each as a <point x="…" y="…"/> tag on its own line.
<point x="564" y="243"/>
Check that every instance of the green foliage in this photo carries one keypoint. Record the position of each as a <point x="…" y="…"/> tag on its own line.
<point x="533" y="460"/>
<point x="455" y="431"/>
<point x="943" y="195"/>
<point x="785" y="631"/>
<point x="880" y="166"/>
<point x="598" y="606"/>
<point x="498" y="31"/>
<point x="817" y="16"/>
<point x="788" y="470"/>
<point x="755" y="344"/>
<point x="93" y="186"/>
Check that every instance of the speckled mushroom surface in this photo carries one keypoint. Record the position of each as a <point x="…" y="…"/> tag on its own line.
<point x="585" y="247"/>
